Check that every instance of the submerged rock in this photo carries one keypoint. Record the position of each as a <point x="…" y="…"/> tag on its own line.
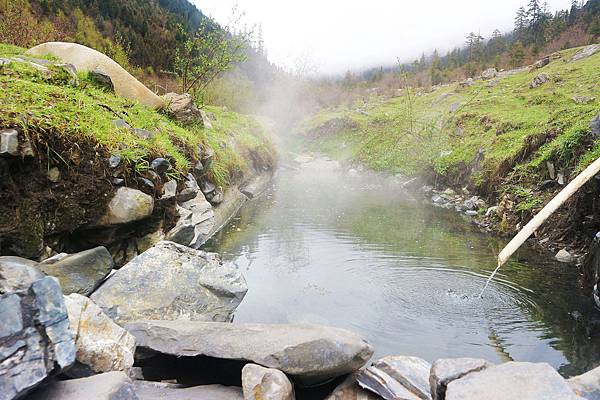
<point x="35" y="340"/>
<point x="512" y="380"/>
<point x="164" y="391"/>
<point x="127" y="205"/>
<point x="446" y="370"/>
<point x="81" y="272"/>
<point x="172" y="282"/>
<point x="401" y="377"/>
<point x="260" y="383"/>
<point x="102" y="345"/>
<point x="108" y="386"/>
<point x="311" y="353"/>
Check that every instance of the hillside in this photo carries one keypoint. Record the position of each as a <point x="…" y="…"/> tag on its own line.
<point x="504" y="138"/>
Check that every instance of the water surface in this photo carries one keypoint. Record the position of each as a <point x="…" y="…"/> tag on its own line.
<point x="353" y="250"/>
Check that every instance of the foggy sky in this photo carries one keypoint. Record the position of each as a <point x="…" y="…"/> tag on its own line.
<point x="340" y="35"/>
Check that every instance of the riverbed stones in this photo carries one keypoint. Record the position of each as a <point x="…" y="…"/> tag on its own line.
<point x="446" y="370"/>
<point x="398" y="377"/>
<point x="170" y="391"/>
<point x="512" y="380"/>
<point x="310" y="353"/>
<point x="102" y="345"/>
<point x="587" y="386"/>
<point x="172" y="282"/>
<point x="81" y="272"/>
<point x="127" y="205"/>
<point x="107" y="386"/>
<point x="260" y="383"/>
<point x="35" y="340"/>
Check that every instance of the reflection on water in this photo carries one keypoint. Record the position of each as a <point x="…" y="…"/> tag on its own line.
<point x="323" y="246"/>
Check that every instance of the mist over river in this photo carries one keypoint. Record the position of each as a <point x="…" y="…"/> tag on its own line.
<point x="353" y="250"/>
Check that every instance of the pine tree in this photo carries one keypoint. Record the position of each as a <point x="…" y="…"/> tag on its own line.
<point x="521" y="21"/>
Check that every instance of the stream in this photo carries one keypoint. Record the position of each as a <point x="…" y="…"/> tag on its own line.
<point x="353" y="250"/>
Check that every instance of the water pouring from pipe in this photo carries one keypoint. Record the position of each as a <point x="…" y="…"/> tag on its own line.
<point x="542" y="216"/>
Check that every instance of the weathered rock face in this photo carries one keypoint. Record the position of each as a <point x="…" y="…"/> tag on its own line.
<point x="513" y="380"/>
<point x="587" y="386"/>
<point x="35" y="340"/>
<point x="446" y="370"/>
<point x="163" y="391"/>
<point x="586" y="52"/>
<point x="102" y="345"/>
<point x="128" y="205"/>
<point x="400" y="377"/>
<point x="307" y="352"/>
<point x="182" y="108"/>
<point x="88" y="60"/>
<point x="172" y="282"/>
<point x="108" y="386"/>
<point x="81" y="272"/>
<point x="195" y="224"/>
<point x="261" y="383"/>
<point x="17" y="274"/>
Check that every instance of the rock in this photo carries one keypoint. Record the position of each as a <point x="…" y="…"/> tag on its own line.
<point x="586" y="52"/>
<point x="587" y="386"/>
<point x="471" y="204"/>
<point x="70" y="70"/>
<point x="147" y="182"/>
<point x="207" y="187"/>
<point x="551" y="169"/>
<point x="121" y="123"/>
<point x="512" y="380"/>
<point x="541" y="63"/>
<point x="583" y="100"/>
<point x="102" y="78"/>
<point x="256" y="185"/>
<point x="491" y="210"/>
<point x="160" y="165"/>
<point x="102" y="345"/>
<point x="81" y="272"/>
<point x="17" y="274"/>
<point x="164" y="391"/>
<point x="306" y="352"/>
<point x="467" y="83"/>
<point x="169" y="190"/>
<point x="114" y="161"/>
<point x="182" y="108"/>
<point x="190" y="189"/>
<point x="539" y="80"/>
<point x="118" y="181"/>
<point x="560" y="178"/>
<point x="206" y="120"/>
<point x="208" y="155"/>
<point x="447" y="370"/>
<point x="232" y="202"/>
<point x="215" y="198"/>
<point x="489" y="73"/>
<point x="127" y="205"/>
<point x="9" y="142"/>
<point x="143" y="133"/>
<point x="200" y="215"/>
<point x="54" y="175"/>
<point x="471" y="213"/>
<point x="35" y="340"/>
<point x="595" y="125"/>
<point x="399" y="377"/>
<point x="86" y="60"/>
<point x="108" y="386"/>
<point x="349" y="390"/>
<point x="172" y="282"/>
<point x="55" y="258"/>
<point x="564" y="256"/>
<point x="260" y="383"/>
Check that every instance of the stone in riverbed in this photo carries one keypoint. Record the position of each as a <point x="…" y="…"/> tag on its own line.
<point x="81" y="272"/>
<point x="127" y="205"/>
<point x="587" y="386"/>
<point x="172" y="282"/>
<point x="446" y="370"/>
<point x="108" y="386"/>
<point x="512" y="380"/>
<point x="399" y="376"/>
<point x="102" y="345"/>
<point x="260" y="383"/>
<point x="309" y="353"/>
<point x="163" y="391"/>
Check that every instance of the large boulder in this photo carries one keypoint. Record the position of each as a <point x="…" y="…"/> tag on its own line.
<point x="489" y="73"/>
<point x="108" y="386"/>
<point x="162" y="391"/>
<point x="90" y="60"/>
<point x="402" y="377"/>
<point x="35" y="339"/>
<point x="102" y="345"/>
<point x="172" y="282"/>
<point x="81" y="272"/>
<point x="260" y="383"/>
<point x="586" y="52"/>
<point x="587" y="386"/>
<point x="127" y="205"/>
<point x="512" y="380"/>
<point x="446" y="370"/>
<point x="307" y="352"/>
<point x="182" y="108"/>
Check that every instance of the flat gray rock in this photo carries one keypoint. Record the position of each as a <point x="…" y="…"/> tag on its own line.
<point x="587" y="385"/>
<point x="172" y="282"/>
<point x="512" y="380"/>
<point x="410" y="373"/>
<point x="163" y="391"/>
<point x="82" y="272"/>
<point x="17" y="274"/>
<point x="108" y="386"/>
<point x="310" y="352"/>
<point x="446" y="370"/>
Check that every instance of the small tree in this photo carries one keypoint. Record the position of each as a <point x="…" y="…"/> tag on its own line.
<point x="210" y="52"/>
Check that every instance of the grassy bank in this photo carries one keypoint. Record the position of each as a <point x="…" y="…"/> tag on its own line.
<point x="495" y="136"/>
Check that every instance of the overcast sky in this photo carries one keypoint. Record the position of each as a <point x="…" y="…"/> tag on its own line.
<point x="340" y="35"/>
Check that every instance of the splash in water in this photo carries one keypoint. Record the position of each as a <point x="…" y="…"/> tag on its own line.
<point x="490" y="279"/>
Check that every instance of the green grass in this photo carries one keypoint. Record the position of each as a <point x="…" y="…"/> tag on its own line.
<point x="513" y="124"/>
<point x="81" y="111"/>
